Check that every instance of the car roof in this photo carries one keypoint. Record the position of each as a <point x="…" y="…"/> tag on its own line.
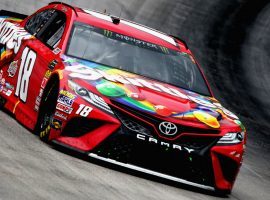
<point x="129" y="28"/>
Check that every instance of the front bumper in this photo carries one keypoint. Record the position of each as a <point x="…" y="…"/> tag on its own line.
<point x="209" y="166"/>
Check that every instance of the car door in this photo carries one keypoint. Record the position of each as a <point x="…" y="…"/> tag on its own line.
<point x="36" y="59"/>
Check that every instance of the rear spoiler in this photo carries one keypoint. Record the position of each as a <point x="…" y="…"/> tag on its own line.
<point x="7" y="13"/>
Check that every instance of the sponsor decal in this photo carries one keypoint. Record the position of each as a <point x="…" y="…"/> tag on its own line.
<point x="37" y="103"/>
<point x="9" y="86"/>
<point x="1" y="77"/>
<point x="126" y="88"/>
<point x="61" y="115"/>
<point x="57" y="50"/>
<point x="12" y="69"/>
<point x="226" y="111"/>
<point x="42" y="87"/>
<point x="38" y="99"/>
<point x="65" y="100"/>
<point x="12" y="35"/>
<point x="5" y="87"/>
<point x="52" y="64"/>
<point x="44" y="83"/>
<point x="202" y="102"/>
<point x="8" y="93"/>
<point x="67" y="94"/>
<point x="108" y="33"/>
<point x="166" y="145"/>
<point x="48" y="74"/>
<point x="3" y="81"/>
<point x="90" y="74"/>
<point x="164" y="50"/>
<point x="64" y="108"/>
<point x="56" y="124"/>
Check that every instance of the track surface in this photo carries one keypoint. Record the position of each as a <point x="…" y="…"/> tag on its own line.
<point x="231" y="40"/>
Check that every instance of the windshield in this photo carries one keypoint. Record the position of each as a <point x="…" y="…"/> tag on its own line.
<point x="136" y="56"/>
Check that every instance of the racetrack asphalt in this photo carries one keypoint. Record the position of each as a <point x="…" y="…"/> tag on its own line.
<point x="231" y="41"/>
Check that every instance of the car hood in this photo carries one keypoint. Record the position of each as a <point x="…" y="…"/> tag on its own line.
<point x="164" y="101"/>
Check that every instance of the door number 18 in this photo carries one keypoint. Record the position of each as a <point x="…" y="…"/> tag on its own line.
<point x="26" y="68"/>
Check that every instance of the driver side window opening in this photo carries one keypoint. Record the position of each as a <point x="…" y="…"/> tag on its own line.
<point x="48" y="26"/>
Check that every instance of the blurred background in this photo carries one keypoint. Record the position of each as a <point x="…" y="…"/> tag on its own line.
<point x="229" y="38"/>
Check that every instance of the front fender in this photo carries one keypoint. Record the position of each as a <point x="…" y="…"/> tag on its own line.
<point x="78" y="121"/>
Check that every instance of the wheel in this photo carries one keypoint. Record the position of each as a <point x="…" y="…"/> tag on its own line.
<point x="47" y="110"/>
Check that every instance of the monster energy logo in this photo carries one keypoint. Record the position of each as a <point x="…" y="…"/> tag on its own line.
<point x="165" y="50"/>
<point x="108" y="33"/>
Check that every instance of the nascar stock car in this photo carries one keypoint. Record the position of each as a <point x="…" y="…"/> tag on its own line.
<point x="119" y="92"/>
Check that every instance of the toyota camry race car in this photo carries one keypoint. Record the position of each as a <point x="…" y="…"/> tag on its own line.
<point x="119" y="92"/>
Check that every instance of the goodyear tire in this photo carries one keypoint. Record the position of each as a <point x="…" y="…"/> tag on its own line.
<point x="47" y="110"/>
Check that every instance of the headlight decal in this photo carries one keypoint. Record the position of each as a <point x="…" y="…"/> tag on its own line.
<point x="232" y="138"/>
<point x="90" y="97"/>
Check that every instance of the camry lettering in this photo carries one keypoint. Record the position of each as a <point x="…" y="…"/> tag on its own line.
<point x="164" y="144"/>
<point x="153" y="140"/>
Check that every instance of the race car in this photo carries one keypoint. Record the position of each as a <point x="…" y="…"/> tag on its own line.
<point x="119" y="92"/>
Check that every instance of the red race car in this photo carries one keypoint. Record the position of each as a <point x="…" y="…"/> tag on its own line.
<point x="119" y="92"/>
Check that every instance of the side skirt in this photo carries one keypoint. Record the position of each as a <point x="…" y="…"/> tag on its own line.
<point x="133" y="167"/>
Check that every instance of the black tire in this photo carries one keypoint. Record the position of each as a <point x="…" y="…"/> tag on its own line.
<point x="2" y="102"/>
<point x="223" y="193"/>
<point x="47" y="110"/>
